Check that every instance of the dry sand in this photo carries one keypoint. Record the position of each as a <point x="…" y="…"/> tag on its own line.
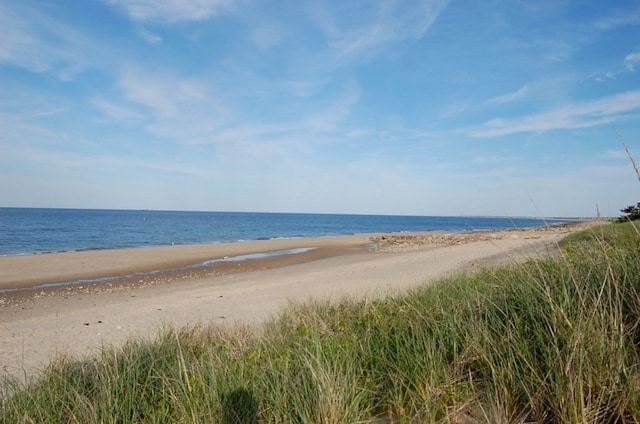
<point x="165" y="286"/>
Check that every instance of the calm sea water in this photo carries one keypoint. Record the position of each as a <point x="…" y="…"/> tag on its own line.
<point x="28" y="231"/>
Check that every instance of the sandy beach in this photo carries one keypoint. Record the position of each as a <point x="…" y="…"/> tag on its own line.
<point x="119" y="294"/>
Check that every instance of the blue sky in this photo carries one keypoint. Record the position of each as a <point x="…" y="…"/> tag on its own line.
<point x="430" y="107"/>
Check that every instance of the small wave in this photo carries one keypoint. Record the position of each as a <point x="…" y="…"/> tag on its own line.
<point x="280" y="238"/>
<point x="253" y="256"/>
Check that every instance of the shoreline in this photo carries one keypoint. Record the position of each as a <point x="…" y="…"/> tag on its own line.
<point x="23" y="275"/>
<point x="94" y="249"/>
<point x="37" y="326"/>
<point x="29" y="272"/>
<point x="145" y="274"/>
<point x="39" y="271"/>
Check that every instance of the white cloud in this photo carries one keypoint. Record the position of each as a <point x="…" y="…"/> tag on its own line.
<point x="389" y="22"/>
<point x="302" y="88"/>
<point x="631" y="60"/>
<point x="613" y="22"/>
<point x="52" y="158"/>
<point x="172" y="10"/>
<point x="41" y="43"/>
<point x="358" y="132"/>
<point x="492" y="160"/>
<point x="364" y="41"/>
<point x="609" y="75"/>
<point x="335" y="112"/>
<point x="426" y="15"/>
<point x="18" y="43"/>
<point x="165" y="96"/>
<point x="615" y="154"/>
<point x="510" y="97"/>
<point x="149" y="37"/>
<point x="266" y="36"/>
<point x="577" y="115"/>
<point x="183" y="110"/>
<point x="455" y="109"/>
<point x="246" y="133"/>
<point x="117" y="112"/>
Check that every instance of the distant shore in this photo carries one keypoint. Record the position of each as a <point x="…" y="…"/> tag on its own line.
<point x="125" y="293"/>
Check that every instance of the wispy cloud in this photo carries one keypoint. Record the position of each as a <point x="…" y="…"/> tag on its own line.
<point x="17" y="41"/>
<point x="426" y="15"/>
<point x="165" y="96"/>
<point x="629" y="65"/>
<point x="364" y="42"/>
<point x="172" y="10"/>
<point x="40" y="43"/>
<point x="619" y="20"/>
<point x="577" y="115"/>
<point x="334" y="112"/>
<point x="116" y="112"/>
<point x="302" y="88"/>
<point x="148" y="36"/>
<point x="615" y="154"/>
<point x="455" y="109"/>
<point x="78" y="161"/>
<point x="510" y="97"/>
<point x="631" y="60"/>
<point x="182" y="109"/>
<point x="378" y="27"/>
<point x="492" y="160"/>
<point x="266" y="36"/>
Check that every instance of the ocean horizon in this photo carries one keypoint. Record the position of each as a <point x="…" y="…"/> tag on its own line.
<point x="25" y="231"/>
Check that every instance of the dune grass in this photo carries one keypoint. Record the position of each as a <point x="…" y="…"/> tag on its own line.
<point x="554" y="340"/>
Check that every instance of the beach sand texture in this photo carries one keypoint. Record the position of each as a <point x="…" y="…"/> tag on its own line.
<point x="37" y="325"/>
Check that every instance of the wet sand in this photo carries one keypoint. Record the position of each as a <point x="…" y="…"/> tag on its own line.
<point x="142" y="290"/>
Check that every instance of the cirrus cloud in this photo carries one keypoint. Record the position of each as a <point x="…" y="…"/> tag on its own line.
<point x="172" y="10"/>
<point x="576" y="115"/>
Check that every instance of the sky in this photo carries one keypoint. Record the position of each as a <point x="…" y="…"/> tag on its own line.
<point x="403" y="107"/>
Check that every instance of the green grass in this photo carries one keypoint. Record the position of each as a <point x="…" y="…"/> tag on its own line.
<point x="554" y="340"/>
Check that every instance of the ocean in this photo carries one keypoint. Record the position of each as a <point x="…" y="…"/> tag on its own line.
<point x="32" y="230"/>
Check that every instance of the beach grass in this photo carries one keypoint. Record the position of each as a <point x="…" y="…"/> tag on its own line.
<point x="550" y="340"/>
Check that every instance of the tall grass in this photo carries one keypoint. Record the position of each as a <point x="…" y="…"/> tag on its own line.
<point x="554" y="340"/>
